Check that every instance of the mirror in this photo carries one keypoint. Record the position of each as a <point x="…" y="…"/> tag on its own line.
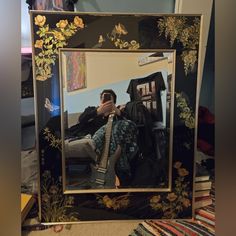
<point x="121" y="141"/>
<point x="123" y="49"/>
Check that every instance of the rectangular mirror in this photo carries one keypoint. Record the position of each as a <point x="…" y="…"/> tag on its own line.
<point x="137" y="160"/>
<point x="142" y="81"/>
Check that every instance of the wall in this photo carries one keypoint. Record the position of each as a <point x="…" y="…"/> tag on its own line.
<point x="131" y="6"/>
<point x="116" y="69"/>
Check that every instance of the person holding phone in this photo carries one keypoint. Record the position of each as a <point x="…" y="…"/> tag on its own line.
<point x="91" y="126"/>
<point x="95" y="117"/>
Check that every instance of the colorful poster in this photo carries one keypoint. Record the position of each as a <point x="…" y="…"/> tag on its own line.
<point x="75" y="71"/>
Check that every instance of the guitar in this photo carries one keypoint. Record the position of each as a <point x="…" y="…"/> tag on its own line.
<point x="103" y="174"/>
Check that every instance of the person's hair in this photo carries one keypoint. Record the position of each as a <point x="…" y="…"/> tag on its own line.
<point x="110" y="91"/>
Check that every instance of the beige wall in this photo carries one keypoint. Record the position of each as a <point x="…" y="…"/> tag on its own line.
<point x="113" y="67"/>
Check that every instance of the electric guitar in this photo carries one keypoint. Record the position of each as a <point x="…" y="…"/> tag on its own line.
<point x="103" y="175"/>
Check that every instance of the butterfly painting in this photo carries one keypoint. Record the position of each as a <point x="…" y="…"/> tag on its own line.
<point x="50" y="106"/>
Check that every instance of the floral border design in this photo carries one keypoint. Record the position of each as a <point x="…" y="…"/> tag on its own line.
<point x="186" y="114"/>
<point x="115" y="203"/>
<point x="172" y="204"/>
<point x="169" y="205"/>
<point x="178" y="30"/>
<point x="116" y="38"/>
<point x="54" y="142"/>
<point x="50" y="41"/>
<point x="56" y="206"/>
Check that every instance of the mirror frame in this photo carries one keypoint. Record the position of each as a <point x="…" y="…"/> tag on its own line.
<point x="54" y="30"/>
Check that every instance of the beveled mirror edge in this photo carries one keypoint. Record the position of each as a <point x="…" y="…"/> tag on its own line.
<point x="198" y="87"/>
<point x="36" y="120"/>
<point x="170" y="154"/>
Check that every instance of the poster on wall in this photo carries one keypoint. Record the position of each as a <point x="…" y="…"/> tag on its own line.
<point x="75" y="71"/>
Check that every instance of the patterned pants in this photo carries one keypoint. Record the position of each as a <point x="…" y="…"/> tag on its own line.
<point x="124" y="133"/>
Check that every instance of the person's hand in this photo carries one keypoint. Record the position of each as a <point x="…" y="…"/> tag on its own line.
<point x="105" y="108"/>
<point x="116" y="110"/>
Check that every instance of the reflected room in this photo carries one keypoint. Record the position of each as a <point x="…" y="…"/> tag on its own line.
<point x="117" y="120"/>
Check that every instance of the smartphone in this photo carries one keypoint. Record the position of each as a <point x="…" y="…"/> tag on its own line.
<point x="106" y="97"/>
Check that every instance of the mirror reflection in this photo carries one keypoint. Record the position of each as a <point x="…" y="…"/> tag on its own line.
<point x="117" y="112"/>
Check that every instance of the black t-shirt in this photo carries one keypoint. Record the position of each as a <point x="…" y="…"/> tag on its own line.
<point x="148" y="90"/>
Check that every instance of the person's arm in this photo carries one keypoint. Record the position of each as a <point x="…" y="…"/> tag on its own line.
<point x="88" y="114"/>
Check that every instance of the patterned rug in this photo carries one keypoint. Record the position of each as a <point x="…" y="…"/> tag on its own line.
<point x="202" y="225"/>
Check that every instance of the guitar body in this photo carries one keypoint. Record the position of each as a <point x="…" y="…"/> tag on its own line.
<point x="103" y="175"/>
<point x="105" y="178"/>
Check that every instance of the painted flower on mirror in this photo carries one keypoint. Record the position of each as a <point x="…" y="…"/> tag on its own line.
<point x="172" y="27"/>
<point x="169" y="214"/>
<point x="40" y="20"/>
<point x="190" y="59"/>
<point x="116" y="38"/>
<point x="172" y="204"/>
<point x="171" y="197"/>
<point x="155" y="199"/>
<point x="53" y="189"/>
<point x="55" y="204"/>
<point x="182" y="172"/>
<point x="155" y="202"/>
<point x="134" y="45"/>
<point x="79" y="22"/>
<point x="62" y="24"/>
<point x="177" y="165"/>
<point x="59" y="36"/>
<point x="52" y="139"/>
<point x="115" y="203"/>
<point x="190" y="122"/>
<point x="45" y="197"/>
<point x="51" y="39"/>
<point x="107" y="201"/>
<point x="177" y="29"/>
<point x="69" y="200"/>
<point x="120" y="203"/>
<point x="39" y="44"/>
<point x="186" y="202"/>
<point x="41" y="78"/>
<point x="186" y="113"/>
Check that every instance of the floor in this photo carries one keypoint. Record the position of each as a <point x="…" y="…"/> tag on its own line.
<point x="88" y="229"/>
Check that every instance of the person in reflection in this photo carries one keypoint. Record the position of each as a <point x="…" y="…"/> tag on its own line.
<point x="94" y="117"/>
<point x="91" y="130"/>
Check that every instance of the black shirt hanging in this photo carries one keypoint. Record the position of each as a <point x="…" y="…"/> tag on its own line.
<point x="148" y="90"/>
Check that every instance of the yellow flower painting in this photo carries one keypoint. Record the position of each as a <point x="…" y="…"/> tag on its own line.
<point x="51" y="39"/>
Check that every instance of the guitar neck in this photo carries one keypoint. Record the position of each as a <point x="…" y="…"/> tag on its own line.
<point x="105" y="153"/>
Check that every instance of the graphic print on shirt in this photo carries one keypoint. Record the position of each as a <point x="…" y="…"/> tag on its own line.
<point x="148" y="90"/>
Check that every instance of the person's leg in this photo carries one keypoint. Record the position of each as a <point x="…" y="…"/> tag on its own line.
<point x="99" y="139"/>
<point x="80" y="148"/>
